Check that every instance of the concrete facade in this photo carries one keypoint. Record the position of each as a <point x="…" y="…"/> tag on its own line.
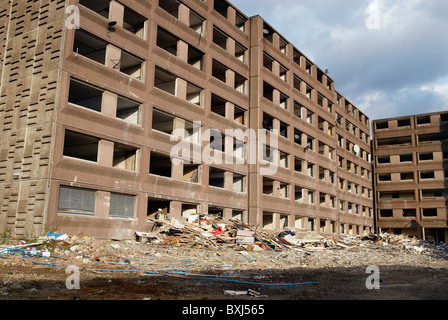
<point x="90" y="117"/>
<point x="411" y="172"/>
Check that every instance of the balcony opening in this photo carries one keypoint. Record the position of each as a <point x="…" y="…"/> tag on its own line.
<point x="194" y="94"/>
<point x="134" y="22"/>
<point x="425" y="175"/>
<point x="220" y="38"/>
<point x="160" y="164"/>
<point x="382" y="125"/>
<point x="268" y="221"/>
<point x="239" y="115"/>
<point x="437" y="194"/>
<point x="426" y="156"/>
<point x="268" y="186"/>
<point x="297" y="83"/>
<point x="284" y="190"/>
<point x="240" y="83"/>
<point x="124" y="157"/>
<point x="312" y="196"/>
<point x="218" y="105"/>
<point x="162" y="121"/>
<point x="311" y="169"/>
<point x="154" y="204"/>
<point x="283" y="101"/>
<point x="309" y="92"/>
<point x="429" y="212"/>
<point x="298" y="193"/>
<point x="268" y="122"/>
<point x="192" y="173"/>
<point x="296" y="56"/>
<point x="383" y="177"/>
<point x="240" y="22"/>
<point x="267" y="62"/>
<point x="284" y="160"/>
<point x="283" y="46"/>
<point x="128" y="110"/>
<point x="238" y="182"/>
<point x="386" y="213"/>
<point x="165" y="81"/>
<point x="89" y="46"/>
<point x="240" y="52"/>
<point x="80" y="146"/>
<point x="409" y="213"/>
<point x="283" y="130"/>
<point x="195" y="58"/>
<point x="219" y="71"/>
<point x="167" y="41"/>
<point x="393" y="142"/>
<point x="423" y="120"/>
<point x="283" y="73"/>
<point x="320" y="100"/>
<point x="268" y="33"/>
<point x="298" y="165"/>
<point x="196" y="22"/>
<point x="216" y="177"/>
<point x="406" y="157"/>
<point x="322" y="174"/>
<point x="221" y="7"/>
<point x="268" y="91"/>
<point x="383" y="159"/>
<point x="170" y="6"/>
<point x="131" y="65"/>
<point x="237" y="215"/>
<point x="404" y="123"/>
<point x="432" y="138"/>
<point x="85" y="95"/>
<point x="99" y="6"/>
<point x="308" y="67"/>
<point x="407" y="176"/>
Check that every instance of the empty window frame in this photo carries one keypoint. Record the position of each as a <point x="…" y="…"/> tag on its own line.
<point x="121" y="205"/>
<point x="240" y="83"/>
<point x="128" y="110"/>
<point x="427" y="156"/>
<point x="221" y="7"/>
<point x="268" y="33"/>
<point x="425" y="175"/>
<point x="99" y="6"/>
<point x="170" y="6"/>
<point x="407" y="176"/>
<point x="194" y="94"/>
<point x="406" y="157"/>
<point x="80" y="146"/>
<point x="76" y="200"/>
<point x="160" y="164"/>
<point x="240" y="22"/>
<point x="131" y="65"/>
<point x="383" y="159"/>
<point x="85" y="95"/>
<point x="382" y="125"/>
<point x="384" y="177"/>
<point x="134" y="22"/>
<point x="268" y="186"/>
<point x="386" y="213"/>
<point x="216" y="177"/>
<point x="434" y="194"/>
<point x="162" y="121"/>
<point x="240" y="52"/>
<point x="220" y="38"/>
<point x="404" y="123"/>
<point x="239" y="115"/>
<point x="165" y="81"/>
<point x="432" y="138"/>
<point x="393" y="142"/>
<point x="409" y="213"/>
<point x="268" y="62"/>
<point x="167" y="41"/>
<point x="219" y="71"/>
<point x="89" y="46"/>
<point x="423" y="120"/>
<point x="192" y="173"/>
<point x="196" y="22"/>
<point x="429" y="212"/>
<point x="238" y="182"/>
<point x="218" y="105"/>
<point x="124" y="157"/>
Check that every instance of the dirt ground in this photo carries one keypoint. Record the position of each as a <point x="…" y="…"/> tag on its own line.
<point x="129" y="270"/>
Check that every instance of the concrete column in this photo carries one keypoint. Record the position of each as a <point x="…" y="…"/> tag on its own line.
<point x="105" y="153"/>
<point x="182" y="50"/>
<point x="113" y="57"/>
<point x="184" y="14"/>
<point x="109" y="104"/>
<point x="116" y="12"/>
<point x="102" y="204"/>
<point x="175" y="209"/>
<point x="181" y="88"/>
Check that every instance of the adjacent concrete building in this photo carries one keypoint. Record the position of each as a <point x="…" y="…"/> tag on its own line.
<point x="411" y="175"/>
<point x="139" y="105"/>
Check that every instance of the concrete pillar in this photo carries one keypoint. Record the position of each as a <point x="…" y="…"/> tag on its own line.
<point x="109" y="104"/>
<point x="105" y="153"/>
<point x="116" y="12"/>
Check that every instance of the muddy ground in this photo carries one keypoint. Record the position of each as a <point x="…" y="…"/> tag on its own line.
<point x="129" y="270"/>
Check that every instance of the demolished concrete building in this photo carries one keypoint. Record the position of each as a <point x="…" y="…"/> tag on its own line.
<point x="96" y="95"/>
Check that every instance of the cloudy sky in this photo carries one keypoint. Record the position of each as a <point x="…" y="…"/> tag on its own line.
<point x="388" y="57"/>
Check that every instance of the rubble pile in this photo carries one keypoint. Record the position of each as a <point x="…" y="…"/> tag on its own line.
<point x="211" y="242"/>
